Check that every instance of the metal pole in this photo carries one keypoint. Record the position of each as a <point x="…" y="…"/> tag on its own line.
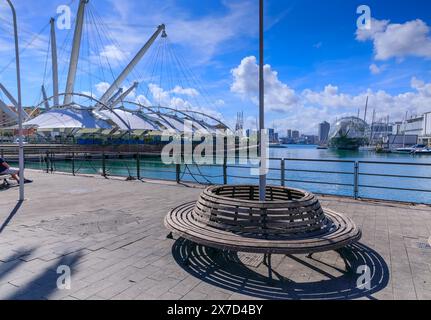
<point x="283" y="172"/>
<point x="73" y="67"/>
<point x="225" y="161"/>
<point x="356" y="181"/>
<point x="54" y="63"/>
<point x="178" y="172"/>
<point x="73" y="163"/>
<point x="118" y="82"/>
<point x="138" y="166"/>
<point x="262" y="152"/>
<point x="20" y="113"/>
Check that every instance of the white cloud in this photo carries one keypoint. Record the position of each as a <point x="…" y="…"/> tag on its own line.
<point x="102" y="87"/>
<point x="113" y="54"/>
<point x="185" y="91"/>
<point x="392" y="40"/>
<point x="220" y="103"/>
<point x="375" y="69"/>
<point x="279" y="97"/>
<point x="303" y="110"/>
<point x="141" y="99"/>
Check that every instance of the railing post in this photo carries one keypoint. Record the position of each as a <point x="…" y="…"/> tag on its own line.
<point x="47" y="161"/>
<point x="356" y="182"/>
<point x="73" y="163"/>
<point x="178" y="172"/>
<point x="225" y="161"/>
<point x="225" y="172"/>
<point x="283" y="172"/>
<point x="138" y="166"/>
<point x="103" y="164"/>
<point x="52" y="162"/>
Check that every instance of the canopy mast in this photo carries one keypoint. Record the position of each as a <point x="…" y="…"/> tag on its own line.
<point x="9" y="95"/>
<point x="124" y="95"/>
<point x="54" y="63"/>
<point x="45" y="98"/>
<point x="73" y="67"/>
<point x="117" y="83"/>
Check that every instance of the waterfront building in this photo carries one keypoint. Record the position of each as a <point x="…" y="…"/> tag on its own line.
<point x="419" y="126"/>
<point x="295" y="135"/>
<point x="324" y="129"/>
<point x="349" y="133"/>
<point x="309" y="139"/>
<point x="380" y="131"/>
<point x="273" y="136"/>
<point x="5" y="119"/>
<point x="289" y="134"/>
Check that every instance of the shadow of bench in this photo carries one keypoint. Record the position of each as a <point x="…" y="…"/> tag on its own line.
<point x="290" y="221"/>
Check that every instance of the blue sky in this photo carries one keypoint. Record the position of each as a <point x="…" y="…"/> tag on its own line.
<point x="319" y="66"/>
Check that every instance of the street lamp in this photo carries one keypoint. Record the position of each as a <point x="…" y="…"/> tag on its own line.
<point x="20" y="113"/>
<point x="262" y="136"/>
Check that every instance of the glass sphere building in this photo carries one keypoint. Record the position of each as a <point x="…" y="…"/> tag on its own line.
<point x="349" y="133"/>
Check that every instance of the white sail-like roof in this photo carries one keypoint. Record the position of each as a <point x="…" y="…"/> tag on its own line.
<point x="70" y="118"/>
<point x="126" y="120"/>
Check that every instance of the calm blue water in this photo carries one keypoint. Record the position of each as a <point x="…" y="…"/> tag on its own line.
<point x="325" y="177"/>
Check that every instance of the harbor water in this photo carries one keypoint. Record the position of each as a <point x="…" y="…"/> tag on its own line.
<point x="399" y="177"/>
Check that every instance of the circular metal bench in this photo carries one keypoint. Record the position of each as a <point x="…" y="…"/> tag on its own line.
<point x="290" y="221"/>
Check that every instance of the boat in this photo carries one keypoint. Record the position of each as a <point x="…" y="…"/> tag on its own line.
<point x="411" y="149"/>
<point x="367" y="148"/>
<point x="276" y="145"/>
<point x="322" y="147"/>
<point x="424" y="151"/>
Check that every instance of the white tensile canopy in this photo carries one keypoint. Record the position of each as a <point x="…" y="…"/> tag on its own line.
<point x="70" y="118"/>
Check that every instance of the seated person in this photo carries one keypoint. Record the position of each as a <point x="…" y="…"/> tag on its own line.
<point x="6" y="169"/>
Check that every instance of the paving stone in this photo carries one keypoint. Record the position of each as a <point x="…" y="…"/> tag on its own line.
<point x="114" y="240"/>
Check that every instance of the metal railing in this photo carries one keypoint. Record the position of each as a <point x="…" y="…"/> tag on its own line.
<point x="400" y="181"/>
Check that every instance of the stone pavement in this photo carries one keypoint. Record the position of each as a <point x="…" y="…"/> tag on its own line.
<point x="110" y="234"/>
